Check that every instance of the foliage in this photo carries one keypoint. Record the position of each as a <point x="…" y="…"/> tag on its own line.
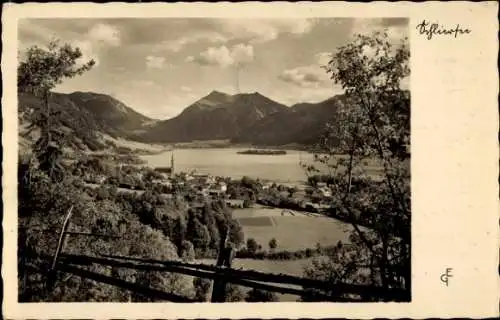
<point x="234" y="293"/>
<point x="139" y="224"/>
<point x="372" y="124"/>
<point x="44" y="68"/>
<point x="273" y="244"/>
<point x="187" y="251"/>
<point x="246" y="189"/>
<point x="39" y="73"/>
<point x="42" y="208"/>
<point x="285" y="254"/>
<point x="202" y="288"/>
<point x="259" y="295"/>
<point x="252" y="245"/>
<point x="313" y="180"/>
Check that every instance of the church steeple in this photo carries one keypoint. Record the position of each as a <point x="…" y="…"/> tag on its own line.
<point x="172" y="165"/>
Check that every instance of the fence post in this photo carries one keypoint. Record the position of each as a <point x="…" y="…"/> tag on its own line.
<point x="62" y="237"/>
<point x="224" y="259"/>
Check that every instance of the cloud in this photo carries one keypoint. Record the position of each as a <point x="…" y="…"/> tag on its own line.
<point x="154" y="62"/>
<point x="91" y="38"/>
<point x="396" y="31"/>
<point x="104" y="34"/>
<point x="214" y="56"/>
<point x="323" y="58"/>
<point x="311" y="76"/>
<point x="264" y="30"/>
<point x="239" y="55"/>
<point x="88" y="52"/>
<point x="178" y="44"/>
<point x="242" y="54"/>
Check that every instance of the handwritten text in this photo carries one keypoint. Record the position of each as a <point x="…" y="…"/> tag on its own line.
<point x="431" y="29"/>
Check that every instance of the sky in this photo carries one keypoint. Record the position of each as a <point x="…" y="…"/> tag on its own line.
<point x="159" y="66"/>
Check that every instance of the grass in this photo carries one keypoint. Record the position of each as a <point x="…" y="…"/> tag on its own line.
<point x="293" y="230"/>
<point x="290" y="267"/>
<point x="257" y="222"/>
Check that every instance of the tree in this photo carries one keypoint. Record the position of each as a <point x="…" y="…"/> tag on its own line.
<point x="187" y="251"/>
<point x="252" y="246"/>
<point x="199" y="235"/>
<point x="273" y="244"/>
<point x="259" y="295"/>
<point x="371" y="123"/>
<point x="248" y="182"/>
<point x="40" y="72"/>
<point x="236" y="235"/>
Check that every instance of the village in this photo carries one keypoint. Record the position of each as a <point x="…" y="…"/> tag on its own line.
<point x="197" y="189"/>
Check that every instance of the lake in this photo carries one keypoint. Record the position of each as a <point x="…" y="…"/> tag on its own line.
<point x="227" y="162"/>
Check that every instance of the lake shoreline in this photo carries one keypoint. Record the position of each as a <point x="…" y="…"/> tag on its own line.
<point x="225" y="144"/>
<point x="227" y="162"/>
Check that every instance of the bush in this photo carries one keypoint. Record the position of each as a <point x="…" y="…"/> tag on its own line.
<point x="309" y="252"/>
<point x="273" y="244"/>
<point x="234" y="293"/>
<point x="202" y="288"/>
<point x="187" y="251"/>
<point x="102" y="193"/>
<point x="252" y="246"/>
<point x="259" y="295"/>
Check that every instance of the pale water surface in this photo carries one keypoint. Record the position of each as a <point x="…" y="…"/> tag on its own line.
<point x="227" y="162"/>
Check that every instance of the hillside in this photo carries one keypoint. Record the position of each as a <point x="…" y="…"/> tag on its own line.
<point x="246" y="118"/>
<point x="216" y="116"/>
<point x="98" y="121"/>
<point x="91" y="119"/>
<point x="111" y="115"/>
<point x="301" y="124"/>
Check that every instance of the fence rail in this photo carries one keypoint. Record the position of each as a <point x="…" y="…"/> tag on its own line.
<point x="226" y="275"/>
<point x="221" y="274"/>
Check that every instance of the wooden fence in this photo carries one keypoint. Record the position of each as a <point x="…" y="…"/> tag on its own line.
<point x="222" y="274"/>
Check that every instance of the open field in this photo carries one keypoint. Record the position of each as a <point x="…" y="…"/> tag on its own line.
<point x="257" y="222"/>
<point x="289" y="267"/>
<point x="292" y="229"/>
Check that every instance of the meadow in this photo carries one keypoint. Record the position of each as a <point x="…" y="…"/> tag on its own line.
<point x="290" y="267"/>
<point x="293" y="230"/>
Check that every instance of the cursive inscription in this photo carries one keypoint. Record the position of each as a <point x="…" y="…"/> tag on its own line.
<point x="431" y="29"/>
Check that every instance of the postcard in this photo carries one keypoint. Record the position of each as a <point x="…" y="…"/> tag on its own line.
<point x="250" y="160"/>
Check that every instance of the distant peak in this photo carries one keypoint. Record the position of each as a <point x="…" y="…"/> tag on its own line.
<point x="216" y="93"/>
<point x="249" y="94"/>
<point x="255" y="94"/>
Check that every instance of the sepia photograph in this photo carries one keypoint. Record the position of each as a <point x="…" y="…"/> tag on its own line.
<point x="214" y="160"/>
<point x="250" y="160"/>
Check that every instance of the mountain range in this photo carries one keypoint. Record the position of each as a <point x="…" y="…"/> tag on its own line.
<point x="249" y="118"/>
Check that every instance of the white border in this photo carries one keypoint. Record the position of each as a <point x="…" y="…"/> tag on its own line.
<point x="454" y="162"/>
